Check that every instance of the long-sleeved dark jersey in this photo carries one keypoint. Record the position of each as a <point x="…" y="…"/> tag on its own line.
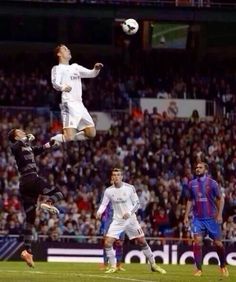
<point x="25" y="156"/>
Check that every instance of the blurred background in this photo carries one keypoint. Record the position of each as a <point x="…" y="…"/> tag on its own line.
<point x="165" y="99"/>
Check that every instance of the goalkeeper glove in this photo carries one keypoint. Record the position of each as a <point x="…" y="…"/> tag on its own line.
<point x="30" y="137"/>
<point x="51" y="144"/>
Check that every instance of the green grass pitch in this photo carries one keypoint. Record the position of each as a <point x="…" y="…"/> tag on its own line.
<point x="84" y="272"/>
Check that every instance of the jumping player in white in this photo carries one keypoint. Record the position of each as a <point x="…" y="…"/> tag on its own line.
<point x="125" y="203"/>
<point x="77" y="122"/>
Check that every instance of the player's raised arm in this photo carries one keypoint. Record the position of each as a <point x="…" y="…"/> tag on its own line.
<point x="19" y="141"/>
<point x="37" y="150"/>
<point x="103" y="205"/>
<point x="89" y="73"/>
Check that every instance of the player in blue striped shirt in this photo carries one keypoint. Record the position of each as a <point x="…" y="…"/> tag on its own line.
<point x="207" y="203"/>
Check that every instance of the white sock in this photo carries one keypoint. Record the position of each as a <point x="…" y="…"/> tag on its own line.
<point x="111" y="256"/>
<point x="59" y="138"/>
<point x="80" y="136"/>
<point x="148" y="254"/>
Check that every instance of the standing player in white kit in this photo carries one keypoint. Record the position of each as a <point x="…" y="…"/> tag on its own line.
<point x="125" y="203"/>
<point x="77" y="122"/>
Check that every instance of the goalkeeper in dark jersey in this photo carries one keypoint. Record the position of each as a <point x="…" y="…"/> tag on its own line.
<point x="31" y="185"/>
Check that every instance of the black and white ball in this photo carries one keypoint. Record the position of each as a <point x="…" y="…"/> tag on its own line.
<point x="130" y="26"/>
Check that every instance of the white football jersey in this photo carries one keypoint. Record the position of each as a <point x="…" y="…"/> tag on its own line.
<point x="123" y="199"/>
<point x="71" y="75"/>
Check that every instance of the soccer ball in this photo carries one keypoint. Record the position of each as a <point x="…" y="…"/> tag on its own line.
<point x="130" y="26"/>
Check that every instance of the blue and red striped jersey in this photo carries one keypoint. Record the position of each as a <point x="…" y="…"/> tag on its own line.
<point x="203" y="192"/>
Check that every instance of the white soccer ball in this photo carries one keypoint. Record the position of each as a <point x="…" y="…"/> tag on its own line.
<point x="130" y="26"/>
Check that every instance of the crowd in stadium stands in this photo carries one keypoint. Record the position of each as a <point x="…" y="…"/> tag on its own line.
<point x="157" y="153"/>
<point x="109" y="90"/>
<point x="158" y="157"/>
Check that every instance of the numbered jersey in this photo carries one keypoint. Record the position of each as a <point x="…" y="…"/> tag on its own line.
<point x="124" y="200"/>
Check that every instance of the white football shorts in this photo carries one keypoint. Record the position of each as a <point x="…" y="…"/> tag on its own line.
<point x="130" y="226"/>
<point x="75" y="115"/>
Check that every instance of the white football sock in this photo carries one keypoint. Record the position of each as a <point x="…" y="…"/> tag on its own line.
<point x="80" y="136"/>
<point x="111" y="256"/>
<point x="59" y="138"/>
<point x="148" y="254"/>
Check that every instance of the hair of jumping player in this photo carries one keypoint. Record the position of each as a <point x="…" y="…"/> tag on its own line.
<point x="12" y="135"/>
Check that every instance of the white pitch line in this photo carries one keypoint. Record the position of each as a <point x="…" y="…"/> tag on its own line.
<point x="112" y="277"/>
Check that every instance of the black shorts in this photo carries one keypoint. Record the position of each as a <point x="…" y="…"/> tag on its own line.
<point x="34" y="185"/>
<point x="31" y="186"/>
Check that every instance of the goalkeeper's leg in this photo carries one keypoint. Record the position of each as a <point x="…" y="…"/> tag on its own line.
<point x="30" y="211"/>
<point x="54" y="195"/>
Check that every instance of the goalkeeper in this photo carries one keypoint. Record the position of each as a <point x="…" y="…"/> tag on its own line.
<point x="31" y="184"/>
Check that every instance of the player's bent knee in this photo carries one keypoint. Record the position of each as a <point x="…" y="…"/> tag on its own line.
<point x="118" y="243"/>
<point x="90" y="132"/>
<point x="91" y="136"/>
<point x="197" y="240"/>
<point x="69" y="134"/>
<point x="218" y="243"/>
<point x="68" y="137"/>
<point x="108" y="243"/>
<point x="142" y="242"/>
